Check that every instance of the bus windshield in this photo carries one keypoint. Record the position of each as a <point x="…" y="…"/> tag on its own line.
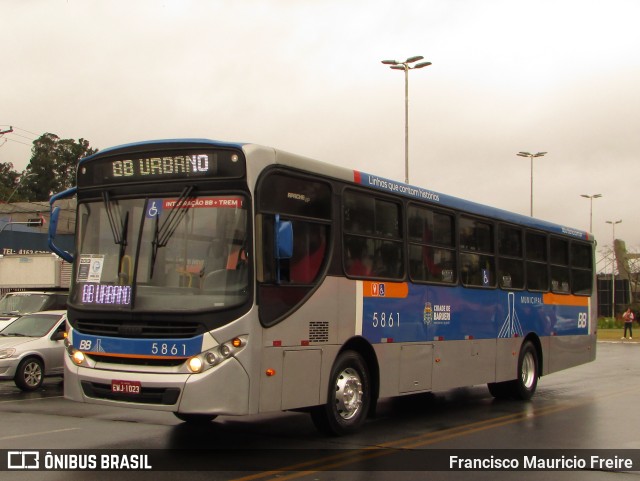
<point x="163" y="253"/>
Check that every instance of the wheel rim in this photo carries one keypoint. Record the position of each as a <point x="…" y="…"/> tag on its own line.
<point x="32" y="374"/>
<point x="528" y="370"/>
<point x="348" y="394"/>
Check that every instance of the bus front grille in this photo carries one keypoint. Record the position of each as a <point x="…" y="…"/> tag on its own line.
<point x="139" y="329"/>
<point x="137" y="361"/>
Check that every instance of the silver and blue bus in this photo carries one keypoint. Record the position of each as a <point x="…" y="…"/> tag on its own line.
<point x="214" y="278"/>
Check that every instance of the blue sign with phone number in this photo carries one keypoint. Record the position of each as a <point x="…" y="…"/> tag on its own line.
<point x="150" y="348"/>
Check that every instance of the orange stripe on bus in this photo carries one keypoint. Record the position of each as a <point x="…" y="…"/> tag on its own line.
<point x="564" y="300"/>
<point x="385" y="289"/>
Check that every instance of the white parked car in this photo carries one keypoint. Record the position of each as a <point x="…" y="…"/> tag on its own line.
<point x="32" y="347"/>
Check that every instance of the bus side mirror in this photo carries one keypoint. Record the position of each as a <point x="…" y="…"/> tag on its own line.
<point x="284" y="239"/>
<point x="283" y="246"/>
<point x="53" y="224"/>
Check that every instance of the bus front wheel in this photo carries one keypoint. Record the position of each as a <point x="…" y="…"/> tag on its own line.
<point x="349" y="397"/>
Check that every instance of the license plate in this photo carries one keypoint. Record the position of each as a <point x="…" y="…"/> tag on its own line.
<point x="126" y="387"/>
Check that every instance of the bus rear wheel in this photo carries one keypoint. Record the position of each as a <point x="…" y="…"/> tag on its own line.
<point x="195" y="418"/>
<point x="348" y="399"/>
<point x="524" y="386"/>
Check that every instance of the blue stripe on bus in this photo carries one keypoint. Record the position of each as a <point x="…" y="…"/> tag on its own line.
<point x="144" y="348"/>
<point x="430" y="313"/>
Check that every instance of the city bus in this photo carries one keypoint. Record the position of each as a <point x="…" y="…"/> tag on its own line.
<point x="218" y="278"/>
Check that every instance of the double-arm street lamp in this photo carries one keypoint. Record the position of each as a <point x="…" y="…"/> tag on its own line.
<point x="613" y="265"/>
<point x="407" y="65"/>
<point x="531" y="157"/>
<point x="591" y="197"/>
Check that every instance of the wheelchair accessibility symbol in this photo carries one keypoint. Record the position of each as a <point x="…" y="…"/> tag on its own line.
<point x="154" y="208"/>
<point x="486" y="277"/>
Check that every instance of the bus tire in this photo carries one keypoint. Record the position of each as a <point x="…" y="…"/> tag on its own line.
<point x="500" y="390"/>
<point x="349" y="397"/>
<point x="524" y="386"/>
<point x="195" y="418"/>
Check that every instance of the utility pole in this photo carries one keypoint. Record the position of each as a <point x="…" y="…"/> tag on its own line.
<point x="2" y="132"/>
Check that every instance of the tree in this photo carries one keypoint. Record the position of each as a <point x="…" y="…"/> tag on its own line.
<point x="8" y="181"/>
<point x="52" y="167"/>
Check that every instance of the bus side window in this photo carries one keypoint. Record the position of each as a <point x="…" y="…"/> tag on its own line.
<point x="432" y="254"/>
<point x="536" y="256"/>
<point x="559" y="259"/>
<point x="309" y="247"/>
<point x="307" y="257"/>
<point x="510" y="257"/>
<point x="477" y="264"/>
<point x="358" y="258"/>
<point x="581" y="268"/>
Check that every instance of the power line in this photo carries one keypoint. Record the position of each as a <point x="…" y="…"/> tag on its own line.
<point x="23" y="136"/>
<point x="19" y="128"/>
<point x="18" y="142"/>
<point x="11" y="131"/>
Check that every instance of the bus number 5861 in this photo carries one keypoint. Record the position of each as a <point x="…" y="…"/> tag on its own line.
<point x="384" y="319"/>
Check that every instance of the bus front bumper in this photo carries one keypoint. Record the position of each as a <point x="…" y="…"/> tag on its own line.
<point x="223" y="389"/>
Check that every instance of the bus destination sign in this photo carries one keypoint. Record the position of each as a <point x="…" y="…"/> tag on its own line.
<point x="157" y="167"/>
<point x="168" y="165"/>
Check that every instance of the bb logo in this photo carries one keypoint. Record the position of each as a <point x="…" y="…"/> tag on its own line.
<point x="23" y="460"/>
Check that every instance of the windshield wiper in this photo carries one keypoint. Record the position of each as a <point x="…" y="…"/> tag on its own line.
<point x="119" y="230"/>
<point x="165" y="231"/>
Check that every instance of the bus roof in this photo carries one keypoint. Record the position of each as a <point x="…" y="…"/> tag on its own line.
<point x="425" y="195"/>
<point x="449" y="201"/>
<point x="364" y="179"/>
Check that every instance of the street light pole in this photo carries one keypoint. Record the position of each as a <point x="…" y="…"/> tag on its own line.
<point x="531" y="157"/>
<point x="406" y="66"/>
<point x="613" y="266"/>
<point x="591" y="197"/>
<point x="23" y="176"/>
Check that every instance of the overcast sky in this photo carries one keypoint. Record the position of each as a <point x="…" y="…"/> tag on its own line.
<point x="560" y="76"/>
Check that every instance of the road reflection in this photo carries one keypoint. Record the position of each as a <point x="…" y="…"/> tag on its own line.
<point x="51" y="387"/>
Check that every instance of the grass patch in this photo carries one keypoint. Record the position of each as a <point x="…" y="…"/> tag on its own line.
<point x="616" y="334"/>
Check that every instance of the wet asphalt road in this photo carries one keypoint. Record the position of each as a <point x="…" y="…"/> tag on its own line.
<point x="589" y="407"/>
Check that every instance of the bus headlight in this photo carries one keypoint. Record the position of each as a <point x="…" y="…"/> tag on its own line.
<point x="195" y="364"/>
<point x="78" y="357"/>
<point x="217" y="355"/>
<point x="74" y="354"/>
